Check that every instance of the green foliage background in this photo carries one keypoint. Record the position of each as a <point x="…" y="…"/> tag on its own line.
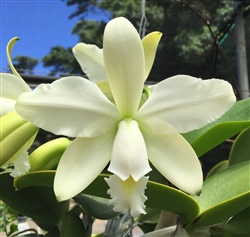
<point x="187" y="46"/>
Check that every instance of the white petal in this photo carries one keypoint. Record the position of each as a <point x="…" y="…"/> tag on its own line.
<point x="81" y="163"/>
<point x="70" y="106"/>
<point x="185" y="102"/>
<point x="127" y="195"/>
<point x="129" y="154"/>
<point x="90" y="58"/>
<point x="11" y="87"/>
<point x="21" y="165"/>
<point x="124" y="63"/>
<point x="150" y="43"/>
<point x="176" y="160"/>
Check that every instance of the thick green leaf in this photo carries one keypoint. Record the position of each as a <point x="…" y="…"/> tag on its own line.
<point x="159" y="196"/>
<point x="148" y="227"/>
<point x="44" y="178"/>
<point x="96" y="206"/>
<point x="35" y="202"/>
<point x="239" y="225"/>
<point x="73" y="225"/>
<point x="241" y="148"/>
<point x="53" y="232"/>
<point x="232" y="122"/>
<point x="151" y="216"/>
<point x="218" y="168"/>
<point x="163" y="197"/>
<point x="47" y="226"/>
<point x="223" y="195"/>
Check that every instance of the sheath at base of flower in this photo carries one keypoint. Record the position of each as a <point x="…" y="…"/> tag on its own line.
<point x="127" y="195"/>
<point x="125" y="132"/>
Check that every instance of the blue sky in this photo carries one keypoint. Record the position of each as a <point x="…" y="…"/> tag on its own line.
<point x="39" y="25"/>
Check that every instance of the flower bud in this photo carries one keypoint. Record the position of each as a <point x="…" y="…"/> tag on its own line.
<point x="16" y="136"/>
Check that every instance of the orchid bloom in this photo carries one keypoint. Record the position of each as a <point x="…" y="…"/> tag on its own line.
<point x="12" y="85"/>
<point x="124" y="132"/>
<point x="13" y="126"/>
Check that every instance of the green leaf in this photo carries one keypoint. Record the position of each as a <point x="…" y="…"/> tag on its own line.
<point x="151" y="216"/>
<point x="163" y="197"/>
<point x="232" y="122"/>
<point x="218" y="168"/>
<point x="44" y="178"/>
<point x="240" y="151"/>
<point x="73" y="225"/>
<point x="53" y="232"/>
<point x="238" y="225"/>
<point x="45" y="225"/>
<point x="35" y="202"/>
<point x="223" y="195"/>
<point x="160" y="196"/>
<point x="96" y="206"/>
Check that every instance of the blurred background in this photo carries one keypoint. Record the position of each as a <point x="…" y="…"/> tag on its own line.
<point x="49" y="29"/>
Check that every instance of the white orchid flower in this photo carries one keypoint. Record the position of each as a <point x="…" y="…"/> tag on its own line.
<point x="123" y="132"/>
<point x="12" y="85"/>
<point x="13" y="126"/>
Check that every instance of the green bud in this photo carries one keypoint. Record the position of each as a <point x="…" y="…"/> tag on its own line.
<point x="47" y="156"/>
<point x="16" y="136"/>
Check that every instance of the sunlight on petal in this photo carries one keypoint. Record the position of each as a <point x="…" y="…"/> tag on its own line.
<point x="21" y="165"/>
<point x="7" y="105"/>
<point x="150" y="43"/>
<point x="127" y="195"/>
<point x="11" y="87"/>
<point x="129" y="154"/>
<point x="185" y="102"/>
<point x="84" y="159"/>
<point x="124" y="63"/>
<point x="176" y="160"/>
<point x="90" y="58"/>
<point x="71" y="106"/>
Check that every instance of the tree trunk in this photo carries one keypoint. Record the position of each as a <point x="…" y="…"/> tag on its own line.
<point x="241" y="58"/>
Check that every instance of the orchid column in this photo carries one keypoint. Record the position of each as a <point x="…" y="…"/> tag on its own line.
<point x="125" y="132"/>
